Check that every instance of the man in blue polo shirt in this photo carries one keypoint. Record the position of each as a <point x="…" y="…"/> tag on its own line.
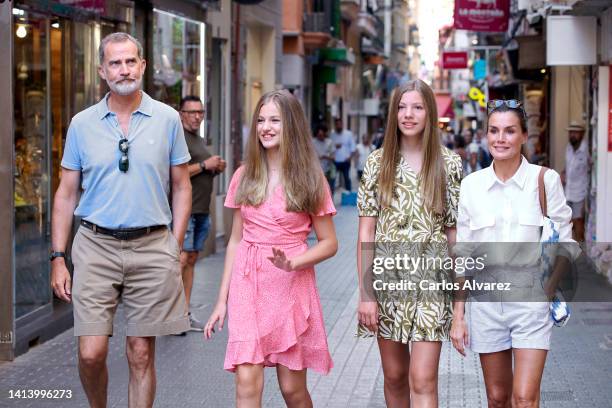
<point x="124" y="154"/>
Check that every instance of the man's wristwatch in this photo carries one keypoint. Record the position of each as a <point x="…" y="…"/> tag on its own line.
<point x="202" y="166"/>
<point x="56" y="254"/>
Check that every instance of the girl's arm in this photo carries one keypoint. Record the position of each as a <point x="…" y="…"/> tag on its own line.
<point x="367" y="311"/>
<point x="451" y="236"/>
<point x="326" y="247"/>
<point x="218" y="314"/>
<point x="235" y="238"/>
<point x="365" y="254"/>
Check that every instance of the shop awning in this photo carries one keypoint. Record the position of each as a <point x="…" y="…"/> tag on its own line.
<point x="444" y="102"/>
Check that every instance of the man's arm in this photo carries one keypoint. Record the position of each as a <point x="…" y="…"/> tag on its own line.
<point x="210" y="165"/>
<point x="181" y="200"/>
<point x="61" y="224"/>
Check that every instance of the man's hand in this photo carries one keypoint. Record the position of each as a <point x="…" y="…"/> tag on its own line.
<point x="222" y="166"/>
<point x="212" y="163"/>
<point x="60" y="280"/>
<point x="64" y="204"/>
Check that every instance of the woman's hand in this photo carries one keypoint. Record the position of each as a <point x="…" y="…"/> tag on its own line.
<point x="218" y="315"/>
<point x="459" y="335"/>
<point x="367" y="313"/>
<point x="280" y="260"/>
<point x="550" y="289"/>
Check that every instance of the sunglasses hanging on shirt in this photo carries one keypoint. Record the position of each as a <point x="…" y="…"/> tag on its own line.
<point x="124" y="162"/>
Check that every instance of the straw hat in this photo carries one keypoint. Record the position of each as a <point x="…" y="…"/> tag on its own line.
<point x="575" y="126"/>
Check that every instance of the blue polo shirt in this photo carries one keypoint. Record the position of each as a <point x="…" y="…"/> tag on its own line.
<point x="139" y="197"/>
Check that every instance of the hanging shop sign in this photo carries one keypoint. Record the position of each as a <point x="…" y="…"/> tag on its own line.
<point x="96" y="6"/>
<point x="454" y="59"/>
<point x="482" y="15"/>
<point x="480" y="69"/>
<point x="477" y="95"/>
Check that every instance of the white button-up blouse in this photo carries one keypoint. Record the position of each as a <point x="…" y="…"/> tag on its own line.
<point x="494" y="211"/>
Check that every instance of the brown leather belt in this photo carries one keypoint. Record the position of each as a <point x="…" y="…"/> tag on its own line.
<point x="124" y="234"/>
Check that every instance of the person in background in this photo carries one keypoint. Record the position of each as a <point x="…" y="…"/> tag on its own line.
<point x="326" y="151"/>
<point x="378" y="138"/>
<point x="576" y="176"/>
<point x="447" y="138"/>
<point x="467" y="136"/>
<point x="344" y="142"/>
<point x="363" y="151"/>
<point x="539" y="155"/>
<point x="203" y="167"/>
<point x="472" y="163"/>
<point x="485" y="158"/>
<point x="459" y="148"/>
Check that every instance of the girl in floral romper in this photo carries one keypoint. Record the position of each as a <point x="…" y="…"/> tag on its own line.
<point x="407" y="205"/>
<point x="268" y="287"/>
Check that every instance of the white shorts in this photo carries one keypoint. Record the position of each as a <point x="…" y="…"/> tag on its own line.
<point x="498" y="326"/>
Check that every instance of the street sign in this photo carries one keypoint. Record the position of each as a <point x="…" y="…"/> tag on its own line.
<point x="454" y="59"/>
<point x="482" y="15"/>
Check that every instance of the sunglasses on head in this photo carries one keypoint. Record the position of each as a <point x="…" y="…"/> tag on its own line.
<point x="494" y="104"/>
<point x="124" y="162"/>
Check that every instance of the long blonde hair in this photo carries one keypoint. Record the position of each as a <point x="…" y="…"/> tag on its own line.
<point x="432" y="178"/>
<point x="301" y="174"/>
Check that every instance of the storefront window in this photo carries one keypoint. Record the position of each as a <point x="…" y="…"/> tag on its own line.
<point x="55" y="77"/>
<point x="31" y="166"/>
<point x="75" y="84"/>
<point x="178" y="50"/>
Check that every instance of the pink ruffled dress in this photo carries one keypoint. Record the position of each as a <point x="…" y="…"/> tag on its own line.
<point x="274" y="316"/>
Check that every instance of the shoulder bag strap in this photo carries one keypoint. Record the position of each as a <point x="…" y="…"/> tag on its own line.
<point x="542" y="191"/>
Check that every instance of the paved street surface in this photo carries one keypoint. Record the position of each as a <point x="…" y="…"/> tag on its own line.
<point x="578" y="371"/>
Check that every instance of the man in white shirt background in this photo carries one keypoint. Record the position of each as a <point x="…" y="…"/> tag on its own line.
<point x="363" y="151"/>
<point x="472" y="163"/>
<point x="326" y="150"/>
<point x="576" y="176"/>
<point x="345" y="148"/>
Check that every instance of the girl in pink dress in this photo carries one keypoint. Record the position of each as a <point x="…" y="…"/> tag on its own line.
<point x="268" y="287"/>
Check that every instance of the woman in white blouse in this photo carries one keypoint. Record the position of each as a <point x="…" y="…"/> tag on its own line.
<point x="500" y="204"/>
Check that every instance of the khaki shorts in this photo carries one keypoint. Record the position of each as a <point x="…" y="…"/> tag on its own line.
<point x="144" y="272"/>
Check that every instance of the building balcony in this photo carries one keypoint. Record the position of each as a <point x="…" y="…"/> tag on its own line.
<point x="368" y="25"/>
<point x="372" y="46"/>
<point x="317" y="30"/>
